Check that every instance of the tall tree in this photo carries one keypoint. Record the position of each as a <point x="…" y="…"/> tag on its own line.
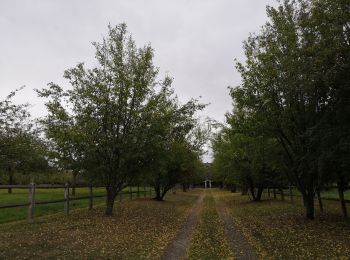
<point x="173" y="141"/>
<point x="107" y="105"/>
<point x="290" y="80"/>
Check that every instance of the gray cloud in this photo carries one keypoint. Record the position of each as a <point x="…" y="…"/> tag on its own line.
<point x="195" y="41"/>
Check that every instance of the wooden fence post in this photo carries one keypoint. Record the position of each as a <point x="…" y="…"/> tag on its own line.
<point x="66" y="197"/>
<point x="91" y="197"/>
<point x="31" y="202"/>
<point x="130" y="191"/>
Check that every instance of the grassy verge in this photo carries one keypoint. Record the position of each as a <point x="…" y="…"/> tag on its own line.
<point x="140" y="229"/>
<point x="21" y="196"/>
<point x="209" y="240"/>
<point x="278" y="230"/>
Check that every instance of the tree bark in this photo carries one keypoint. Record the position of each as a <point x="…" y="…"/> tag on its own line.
<point x="320" y="203"/>
<point x="111" y="194"/>
<point x="74" y="182"/>
<point x="342" y="199"/>
<point x="158" y="196"/>
<point x="9" y="191"/>
<point x="244" y="190"/>
<point x="282" y="193"/>
<point x="233" y="188"/>
<point x="308" y="199"/>
<point x="259" y="193"/>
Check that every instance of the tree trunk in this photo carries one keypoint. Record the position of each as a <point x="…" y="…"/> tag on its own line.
<point x="320" y="203"/>
<point x="244" y="190"/>
<point x="252" y="191"/>
<point x="259" y="193"/>
<point x="9" y="191"/>
<point x="233" y="187"/>
<point x="308" y="199"/>
<point x="158" y="196"/>
<point x="281" y="192"/>
<point x="111" y="194"/>
<point x="164" y="192"/>
<point x="342" y="199"/>
<point x="274" y="193"/>
<point x="74" y="182"/>
<point x="184" y="187"/>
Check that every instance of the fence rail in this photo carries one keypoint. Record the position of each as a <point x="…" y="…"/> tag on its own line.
<point x="67" y="198"/>
<point x="289" y="193"/>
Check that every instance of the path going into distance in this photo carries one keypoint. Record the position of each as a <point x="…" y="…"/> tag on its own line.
<point x="232" y="236"/>
<point x="177" y="249"/>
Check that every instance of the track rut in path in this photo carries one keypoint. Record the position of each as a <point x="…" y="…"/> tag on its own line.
<point x="177" y="249"/>
<point x="240" y="246"/>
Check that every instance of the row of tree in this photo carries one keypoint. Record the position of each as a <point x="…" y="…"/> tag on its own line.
<point x="116" y="125"/>
<point x="290" y="123"/>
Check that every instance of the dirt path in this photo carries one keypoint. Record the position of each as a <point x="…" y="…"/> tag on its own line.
<point x="177" y="249"/>
<point x="239" y="245"/>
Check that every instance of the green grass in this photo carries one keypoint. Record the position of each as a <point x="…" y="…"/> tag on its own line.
<point x="139" y="229"/>
<point x="21" y="196"/>
<point x="209" y="240"/>
<point x="279" y="230"/>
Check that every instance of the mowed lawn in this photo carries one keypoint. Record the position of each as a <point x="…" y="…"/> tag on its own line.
<point x="139" y="229"/>
<point x="279" y="230"/>
<point x="21" y="196"/>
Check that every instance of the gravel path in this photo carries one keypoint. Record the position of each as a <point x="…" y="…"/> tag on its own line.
<point x="240" y="246"/>
<point x="177" y="249"/>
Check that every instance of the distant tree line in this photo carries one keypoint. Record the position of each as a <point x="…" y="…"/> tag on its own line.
<point x="117" y="124"/>
<point x="290" y="123"/>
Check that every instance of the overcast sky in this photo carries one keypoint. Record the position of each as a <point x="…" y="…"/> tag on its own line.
<point x="195" y="41"/>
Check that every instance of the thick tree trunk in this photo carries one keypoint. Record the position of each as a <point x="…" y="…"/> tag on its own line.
<point x="259" y="193"/>
<point x="342" y="199"/>
<point x="320" y="203"/>
<point x="308" y="199"/>
<point x="233" y="188"/>
<point x="9" y="191"/>
<point x="111" y="194"/>
<point x="252" y="191"/>
<point x="184" y="187"/>
<point x="158" y="192"/>
<point x="244" y="190"/>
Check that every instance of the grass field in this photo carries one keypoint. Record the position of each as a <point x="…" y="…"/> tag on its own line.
<point x="139" y="229"/>
<point x="21" y="196"/>
<point x="278" y="230"/>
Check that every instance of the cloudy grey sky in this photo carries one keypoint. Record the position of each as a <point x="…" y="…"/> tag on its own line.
<point x="195" y="41"/>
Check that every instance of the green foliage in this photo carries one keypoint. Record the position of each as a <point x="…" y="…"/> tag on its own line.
<point x="295" y="91"/>
<point x="118" y="121"/>
<point x="173" y="141"/>
<point x="22" y="150"/>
